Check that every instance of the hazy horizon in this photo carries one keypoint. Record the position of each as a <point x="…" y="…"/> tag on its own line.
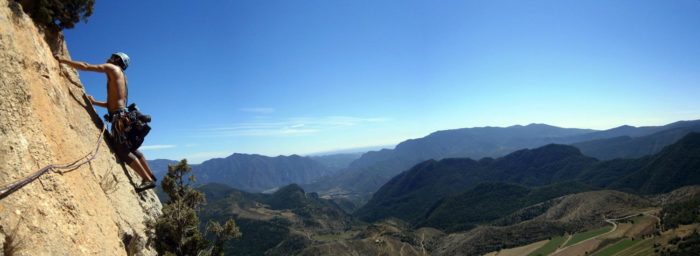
<point x="364" y="149"/>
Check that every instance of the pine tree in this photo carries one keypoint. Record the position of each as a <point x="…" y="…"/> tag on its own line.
<point x="222" y="234"/>
<point x="177" y="229"/>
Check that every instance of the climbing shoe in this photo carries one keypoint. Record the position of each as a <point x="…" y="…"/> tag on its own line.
<point x="146" y="185"/>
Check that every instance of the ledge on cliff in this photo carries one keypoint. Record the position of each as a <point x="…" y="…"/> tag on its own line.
<point x="46" y="119"/>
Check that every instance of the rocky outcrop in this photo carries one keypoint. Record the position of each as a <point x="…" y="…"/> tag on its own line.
<point x="46" y="119"/>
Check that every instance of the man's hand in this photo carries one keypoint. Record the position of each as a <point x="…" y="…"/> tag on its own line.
<point x="91" y="99"/>
<point x="58" y="57"/>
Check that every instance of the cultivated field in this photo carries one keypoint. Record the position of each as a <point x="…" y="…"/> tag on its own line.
<point x="630" y="235"/>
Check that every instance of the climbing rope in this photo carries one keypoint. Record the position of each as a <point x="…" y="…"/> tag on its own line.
<point x="8" y="189"/>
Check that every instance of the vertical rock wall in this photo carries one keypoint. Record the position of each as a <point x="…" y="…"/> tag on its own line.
<point x="46" y="119"/>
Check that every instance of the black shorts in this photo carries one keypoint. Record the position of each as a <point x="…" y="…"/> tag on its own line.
<point x="123" y="150"/>
<point x="121" y="146"/>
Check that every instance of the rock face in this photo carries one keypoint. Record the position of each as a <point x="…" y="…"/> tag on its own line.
<point x="45" y="119"/>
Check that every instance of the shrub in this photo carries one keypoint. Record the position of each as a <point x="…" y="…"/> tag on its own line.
<point x="177" y="229"/>
<point x="58" y="14"/>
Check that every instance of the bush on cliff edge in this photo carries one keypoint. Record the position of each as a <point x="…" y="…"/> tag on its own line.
<point x="177" y="229"/>
<point x="58" y="14"/>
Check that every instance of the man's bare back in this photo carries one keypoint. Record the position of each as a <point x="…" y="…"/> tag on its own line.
<point x="116" y="88"/>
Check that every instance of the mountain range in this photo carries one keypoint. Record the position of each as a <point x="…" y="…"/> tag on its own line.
<point x="454" y="186"/>
<point x="357" y="176"/>
<point x="257" y="173"/>
<point x="632" y="143"/>
<point x="467" y="207"/>
<point x="366" y="174"/>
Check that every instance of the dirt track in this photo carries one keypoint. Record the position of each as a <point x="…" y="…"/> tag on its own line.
<point x="591" y="244"/>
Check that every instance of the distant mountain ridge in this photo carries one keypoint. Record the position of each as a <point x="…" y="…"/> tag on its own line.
<point x="646" y="141"/>
<point x="492" y="141"/>
<point x="337" y="161"/>
<point x="361" y="175"/>
<point x="366" y="174"/>
<point x="257" y="173"/>
<point x="414" y="193"/>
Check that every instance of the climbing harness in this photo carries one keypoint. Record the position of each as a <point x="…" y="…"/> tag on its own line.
<point x="129" y="126"/>
<point x="8" y="189"/>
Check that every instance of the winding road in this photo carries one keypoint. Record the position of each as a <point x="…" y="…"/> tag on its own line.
<point x="611" y="221"/>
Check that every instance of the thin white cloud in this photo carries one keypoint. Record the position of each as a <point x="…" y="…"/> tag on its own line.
<point x="264" y="132"/>
<point x="351" y="121"/>
<point x="257" y="110"/>
<point x="156" y="147"/>
<point x="297" y="126"/>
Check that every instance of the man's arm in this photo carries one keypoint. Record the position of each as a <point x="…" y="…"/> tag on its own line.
<point x="104" y="68"/>
<point x="97" y="103"/>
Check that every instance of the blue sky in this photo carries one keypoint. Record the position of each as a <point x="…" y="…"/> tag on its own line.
<point x="287" y="76"/>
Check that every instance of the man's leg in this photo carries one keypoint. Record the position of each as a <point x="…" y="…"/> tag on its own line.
<point x="136" y="165"/>
<point x="131" y="160"/>
<point x="144" y="164"/>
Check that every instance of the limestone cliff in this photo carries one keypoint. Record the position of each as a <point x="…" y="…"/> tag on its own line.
<point x="46" y="119"/>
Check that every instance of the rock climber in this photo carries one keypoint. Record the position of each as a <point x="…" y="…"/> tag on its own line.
<point x="117" y="94"/>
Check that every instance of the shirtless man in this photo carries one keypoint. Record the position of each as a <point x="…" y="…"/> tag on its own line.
<point x="116" y="105"/>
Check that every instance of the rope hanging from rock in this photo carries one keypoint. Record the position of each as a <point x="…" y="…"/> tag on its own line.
<point x="8" y="189"/>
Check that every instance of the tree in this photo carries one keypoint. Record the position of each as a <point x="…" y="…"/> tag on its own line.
<point x="177" y="229"/>
<point x="59" y="14"/>
<point x="222" y="234"/>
